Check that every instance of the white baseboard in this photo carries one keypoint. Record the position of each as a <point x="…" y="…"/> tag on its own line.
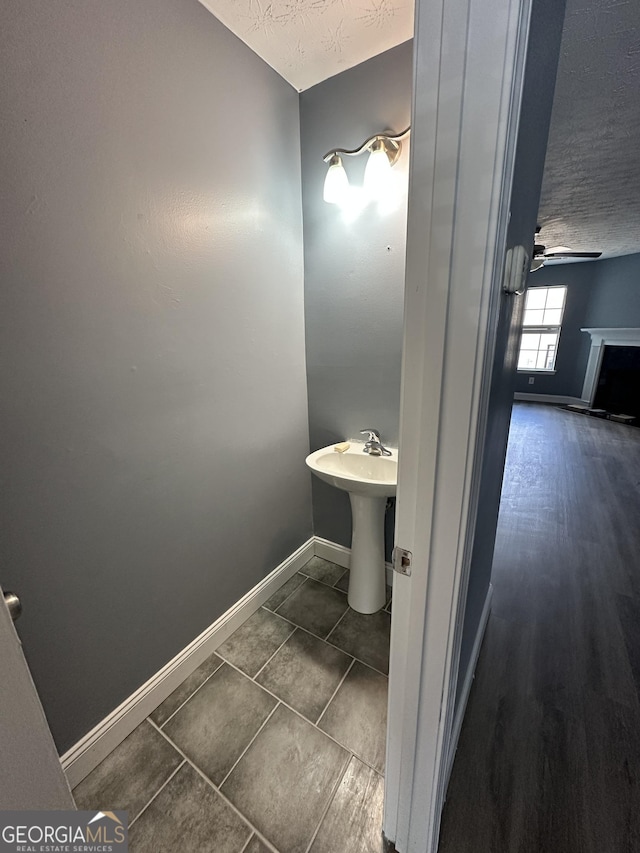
<point x="88" y="752"/>
<point x="340" y="555"/>
<point x="468" y="681"/>
<point x="85" y="755"/>
<point x="557" y="399"/>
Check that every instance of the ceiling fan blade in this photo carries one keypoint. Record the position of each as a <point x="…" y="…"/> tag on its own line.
<point x="569" y="254"/>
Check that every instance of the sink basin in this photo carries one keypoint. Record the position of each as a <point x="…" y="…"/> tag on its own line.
<point x="355" y="471"/>
<point x="369" y="480"/>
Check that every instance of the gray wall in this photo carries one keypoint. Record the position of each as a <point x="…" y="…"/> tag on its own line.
<point x="153" y="369"/>
<point x="573" y="346"/>
<point x="616" y="296"/>
<point x="599" y="293"/>
<point x="542" y="60"/>
<point x="354" y="271"/>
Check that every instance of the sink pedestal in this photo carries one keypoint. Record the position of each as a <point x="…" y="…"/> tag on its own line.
<point x="370" y="480"/>
<point x="367" y="578"/>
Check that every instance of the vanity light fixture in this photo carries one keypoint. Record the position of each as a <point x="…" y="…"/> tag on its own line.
<point x="384" y="150"/>
<point x="336" y="184"/>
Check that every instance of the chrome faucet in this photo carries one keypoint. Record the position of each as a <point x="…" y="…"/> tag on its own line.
<point x="373" y="446"/>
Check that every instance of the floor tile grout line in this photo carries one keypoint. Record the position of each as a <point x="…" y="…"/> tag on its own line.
<point x="267" y="662"/>
<point x="247" y="747"/>
<point x="333" y="645"/>
<point x="326" y="639"/>
<point x="211" y="784"/>
<point x="302" y="716"/>
<point x="345" y="572"/>
<point x="278" y="699"/>
<point x="306" y="578"/>
<point x="161" y="788"/>
<point x="281" y="701"/>
<point x="333" y="695"/>
<point x="247" y="843"/>
<point x="329" y="802"/>
<point x="350" y="754"/>
<point x="189" y="697"/>
<point x="253" y="678"/>
<point x="282" y="603"/>
<point x="332" y="585"/>
<point x="328" y="585"/>
<point x="275" y="610"/>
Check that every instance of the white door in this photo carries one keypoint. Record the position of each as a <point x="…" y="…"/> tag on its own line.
<point x="469" y="62"/>
<point x="30" y="773"/>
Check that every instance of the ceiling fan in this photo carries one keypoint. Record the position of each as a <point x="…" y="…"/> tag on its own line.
<point x="555" y="253"/>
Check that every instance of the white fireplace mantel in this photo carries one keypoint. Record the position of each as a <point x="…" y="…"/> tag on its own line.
<point x="601" y="338"/>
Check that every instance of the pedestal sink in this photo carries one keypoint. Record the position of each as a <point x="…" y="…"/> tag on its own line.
<point x="369" y="480"/>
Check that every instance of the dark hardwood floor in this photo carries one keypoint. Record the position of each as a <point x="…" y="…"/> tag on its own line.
<point x="549" y="756"/>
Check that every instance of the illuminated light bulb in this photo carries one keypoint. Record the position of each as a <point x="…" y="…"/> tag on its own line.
<point x="377" y="174"/>
<point x="336" y="183"/>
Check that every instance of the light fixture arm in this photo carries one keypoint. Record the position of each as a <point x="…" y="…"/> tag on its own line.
<point x="391" y="141"/>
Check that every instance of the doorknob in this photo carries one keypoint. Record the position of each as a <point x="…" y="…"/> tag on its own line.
<point x="13" y="605"/>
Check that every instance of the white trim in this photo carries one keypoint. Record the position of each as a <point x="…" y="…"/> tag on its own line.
<point x="468" y="681"/>
<point x="88" y="752"/>
<point x="468" y="77"/>
<point x="624" y="337"/>
<point x="601" y="338"/>
<point x="556" y="399"/>
<point x="340" y="555"/>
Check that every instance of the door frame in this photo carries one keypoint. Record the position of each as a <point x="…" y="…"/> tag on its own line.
<point x="469" y="61"/>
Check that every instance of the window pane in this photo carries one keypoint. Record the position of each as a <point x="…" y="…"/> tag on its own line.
<point x="542" y="360"/>
<point x="536" y="297"/>
<point x="543" y="311"/>
<point x="533" y="318"/>
<point x="527" y="359"/>
<point x="538" y="351"/>
<point x="552" y="317"/>
<point x="530" y="340"/>
<point x="548" y="339"/>
<point x="549" y="352"/>
<point x="555" y="297"/>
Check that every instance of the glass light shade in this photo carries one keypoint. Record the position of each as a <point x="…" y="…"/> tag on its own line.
<point x="377" y="174"/>
<point x="336" y="183"/>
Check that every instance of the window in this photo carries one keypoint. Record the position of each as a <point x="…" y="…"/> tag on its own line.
<point x="543" y="309"/>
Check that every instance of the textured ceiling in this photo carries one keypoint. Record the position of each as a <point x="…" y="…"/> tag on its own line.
<point x="307" y="41"/>
<point x="591" y="186"/>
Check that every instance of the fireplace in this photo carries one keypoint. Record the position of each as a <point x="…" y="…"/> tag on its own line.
<point x="612" y="378"/>
<point x="618" y="388"/>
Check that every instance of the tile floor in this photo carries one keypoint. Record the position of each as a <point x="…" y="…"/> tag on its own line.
<point x="275" y="743"/>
